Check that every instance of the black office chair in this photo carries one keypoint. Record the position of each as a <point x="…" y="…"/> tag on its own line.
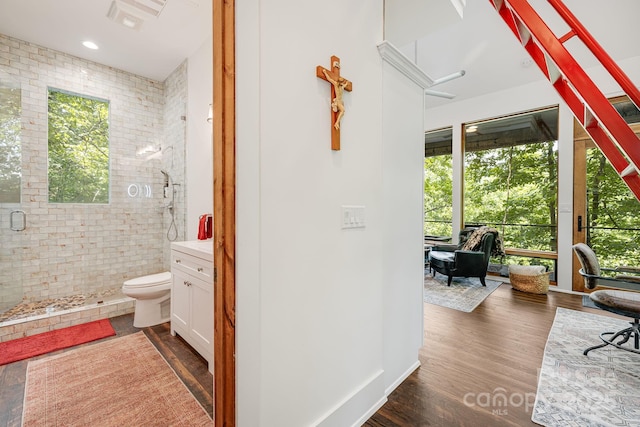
<point x="623" y="302"/>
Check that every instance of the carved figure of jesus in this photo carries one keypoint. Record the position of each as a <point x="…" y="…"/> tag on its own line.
<point x="337" y="105"/>
<point x="338" y="86"/>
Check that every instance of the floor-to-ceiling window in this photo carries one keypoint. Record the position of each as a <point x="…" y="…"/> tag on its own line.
<point x="510" y="182"/>
<point x="605" y="210"/>
<point x="438" y="183"/>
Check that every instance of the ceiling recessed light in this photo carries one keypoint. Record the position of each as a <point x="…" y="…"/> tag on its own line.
<point x="89" y="45"/>
<point x="127" y="22"/>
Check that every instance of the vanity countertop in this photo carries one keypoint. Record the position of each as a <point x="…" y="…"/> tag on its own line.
<point x="198" y="248"/>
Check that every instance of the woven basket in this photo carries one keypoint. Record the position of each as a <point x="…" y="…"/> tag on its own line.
<point x="532" y="279"/>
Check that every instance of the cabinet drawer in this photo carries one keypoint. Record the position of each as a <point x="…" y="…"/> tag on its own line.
<point x="192" y="265"/>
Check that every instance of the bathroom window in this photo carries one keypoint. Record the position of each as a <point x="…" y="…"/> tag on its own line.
<point x="78" y="148"/>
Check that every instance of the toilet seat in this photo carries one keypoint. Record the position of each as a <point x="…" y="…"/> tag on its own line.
<point x="152" y="294"/>
<point x="149" y="281"/>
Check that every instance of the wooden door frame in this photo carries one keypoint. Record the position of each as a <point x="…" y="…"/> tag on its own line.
<point x="224" y="209"/>
<point x="581" y="142"/>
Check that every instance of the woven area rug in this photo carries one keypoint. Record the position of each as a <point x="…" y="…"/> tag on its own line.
<point x="120" y="382"/>
<point x="600" y="389"/>
<point x="464" y="294"/>
<point x="47" y="342"/>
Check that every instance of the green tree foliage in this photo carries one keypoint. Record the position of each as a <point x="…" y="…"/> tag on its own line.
<point x="10" y="147"/>
<point x="613" y="226"/>
<point x="78" y="149"/>
<point x="514" y="189"/>
<point x="437" y="195"/>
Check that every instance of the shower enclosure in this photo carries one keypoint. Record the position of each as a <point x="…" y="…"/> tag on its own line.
<point x="12" y="217"/>
<point x="58" y="254"/>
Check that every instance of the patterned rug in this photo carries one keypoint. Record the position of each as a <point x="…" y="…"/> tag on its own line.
<point x="119" y="382"/>
<point x="464" y="294"/>
<point x="601" y="389"/>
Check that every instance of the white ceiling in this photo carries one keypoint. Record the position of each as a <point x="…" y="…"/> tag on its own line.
<point x="155" y="51"/>
<point x="480" y="43"/>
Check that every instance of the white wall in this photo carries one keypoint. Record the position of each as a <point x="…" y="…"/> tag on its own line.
<point x="310" y="295"/>
<point x="199" y="165"/>
<point x="523" y="98"/>
<point x="403" y="253"/>
<point x="409" y="20"/>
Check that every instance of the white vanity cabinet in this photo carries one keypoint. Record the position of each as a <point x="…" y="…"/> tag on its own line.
<point x="192" y="295"/>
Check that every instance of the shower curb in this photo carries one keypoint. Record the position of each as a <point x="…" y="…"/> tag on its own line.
<point x="19" y="328"/>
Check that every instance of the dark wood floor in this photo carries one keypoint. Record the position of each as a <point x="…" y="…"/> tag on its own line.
<point x="469" y="358"/>
<point x="189" y="365"/>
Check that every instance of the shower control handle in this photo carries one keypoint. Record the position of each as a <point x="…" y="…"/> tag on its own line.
<point x="17" y="220"/>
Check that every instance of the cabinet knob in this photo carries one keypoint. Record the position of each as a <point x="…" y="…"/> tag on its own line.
<point x="178" y="261"/>
<point x="200" y="269"/>
<point x="187" y="283"/>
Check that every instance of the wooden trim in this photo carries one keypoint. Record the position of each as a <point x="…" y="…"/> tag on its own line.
<point x="463" y="148"/>
<point x="580" y="146"/>
<point x="224" y="208"/>
<point x="531" y="253"/>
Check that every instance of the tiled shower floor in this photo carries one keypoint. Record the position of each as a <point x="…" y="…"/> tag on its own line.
<point x="48" y="306"/>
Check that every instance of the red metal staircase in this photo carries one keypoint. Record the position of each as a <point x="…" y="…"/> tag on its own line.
<point x="592" y="109"/>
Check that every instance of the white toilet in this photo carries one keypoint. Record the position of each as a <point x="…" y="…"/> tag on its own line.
<point x="152" y="294"/>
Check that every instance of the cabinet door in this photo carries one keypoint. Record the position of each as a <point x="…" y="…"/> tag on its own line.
<point x="180" y="300"/>
<point x="202" y="313"/>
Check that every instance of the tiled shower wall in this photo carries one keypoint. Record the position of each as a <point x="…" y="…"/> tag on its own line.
<point x="72" y="248"/>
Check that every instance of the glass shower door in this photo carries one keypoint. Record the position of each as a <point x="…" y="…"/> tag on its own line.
<point x="13" y="220"/>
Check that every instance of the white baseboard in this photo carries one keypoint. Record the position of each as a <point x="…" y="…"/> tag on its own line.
<point x="402" y="377"/>
<point x="369" y="391"/>
<point x="363" y="419"/>
<point x="344" y="412"/>
<point x="565" y="291"/>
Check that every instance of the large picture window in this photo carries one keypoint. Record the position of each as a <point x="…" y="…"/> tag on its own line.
<point x="511" y="178"/>
<point x="78" y="148"/>
<point x="612" y="225"/>
<point x="438" y="183"/>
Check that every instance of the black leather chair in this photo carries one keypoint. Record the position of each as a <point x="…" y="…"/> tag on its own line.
<point x="621" y="302"/>
<point x="453" y="261"/>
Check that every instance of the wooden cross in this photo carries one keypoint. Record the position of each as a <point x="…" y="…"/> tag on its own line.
<point x="338" y="86"/>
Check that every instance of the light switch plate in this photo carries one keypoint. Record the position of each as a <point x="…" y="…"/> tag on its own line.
<point x="353" y="217"/>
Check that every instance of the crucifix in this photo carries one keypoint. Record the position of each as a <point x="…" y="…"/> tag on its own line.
<point x="338" y="86"/>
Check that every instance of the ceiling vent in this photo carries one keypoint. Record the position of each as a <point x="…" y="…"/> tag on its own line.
<point x="133" y="13"/>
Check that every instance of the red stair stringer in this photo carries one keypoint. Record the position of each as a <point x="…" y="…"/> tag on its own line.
<point x="590" y="106"/>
